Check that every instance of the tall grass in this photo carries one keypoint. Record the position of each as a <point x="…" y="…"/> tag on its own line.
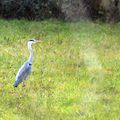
<point x="76" y="71"/>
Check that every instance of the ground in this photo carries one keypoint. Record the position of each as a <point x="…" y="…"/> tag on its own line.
<point x="75" y="75"/>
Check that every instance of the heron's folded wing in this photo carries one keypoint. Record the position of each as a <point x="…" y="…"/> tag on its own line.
<point x="24" y="71"/>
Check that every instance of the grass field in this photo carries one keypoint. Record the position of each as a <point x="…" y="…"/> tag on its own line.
<point x="75" y="76"/>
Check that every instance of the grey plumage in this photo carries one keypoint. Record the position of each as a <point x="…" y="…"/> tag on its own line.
<point x="25" y="69"/>
<point x="23" y="72"/>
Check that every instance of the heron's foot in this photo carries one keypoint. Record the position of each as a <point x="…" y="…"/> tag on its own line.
<point x="23" y="84"/>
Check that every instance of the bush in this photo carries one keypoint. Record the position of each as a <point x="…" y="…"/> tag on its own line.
<point x="70" y="10"/>
<point x="30" y="9"/>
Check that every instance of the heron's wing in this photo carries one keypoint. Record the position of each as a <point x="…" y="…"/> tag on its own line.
<point x="23" y="72"/>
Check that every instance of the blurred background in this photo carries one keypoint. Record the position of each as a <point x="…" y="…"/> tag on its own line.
<point x="69" y="10"/>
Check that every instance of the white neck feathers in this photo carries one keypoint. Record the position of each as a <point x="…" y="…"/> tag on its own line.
<point x="31" y="52"/>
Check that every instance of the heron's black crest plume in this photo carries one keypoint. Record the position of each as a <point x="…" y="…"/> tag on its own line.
<point x="31" y="40"/>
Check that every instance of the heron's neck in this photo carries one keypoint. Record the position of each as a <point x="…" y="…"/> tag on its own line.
<point x="31" y="52"/>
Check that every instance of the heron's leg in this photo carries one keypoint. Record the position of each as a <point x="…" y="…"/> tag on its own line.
<point x="23" y="83"/>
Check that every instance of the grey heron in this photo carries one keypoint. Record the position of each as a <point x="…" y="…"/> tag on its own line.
<point x="25" y="69"/>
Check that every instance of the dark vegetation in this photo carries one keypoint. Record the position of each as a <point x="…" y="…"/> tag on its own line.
<point x="70" y="10"/>
<point x="30" y="9"/>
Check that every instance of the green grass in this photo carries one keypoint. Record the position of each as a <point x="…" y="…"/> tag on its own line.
<point x="75" y="76"/>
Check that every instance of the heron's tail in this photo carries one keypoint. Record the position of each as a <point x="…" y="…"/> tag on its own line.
<point x="15" y="84"/>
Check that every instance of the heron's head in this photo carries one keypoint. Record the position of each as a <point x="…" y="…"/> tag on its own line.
<point x="33" y="41"/>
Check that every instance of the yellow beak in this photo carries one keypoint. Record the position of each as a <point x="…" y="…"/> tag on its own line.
<point x="38" y="41"/>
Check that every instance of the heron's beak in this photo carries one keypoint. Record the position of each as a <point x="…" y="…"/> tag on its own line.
<point x="38" y="41"/>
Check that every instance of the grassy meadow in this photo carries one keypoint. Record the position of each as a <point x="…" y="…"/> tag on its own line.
<point x="75" y="75"/>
